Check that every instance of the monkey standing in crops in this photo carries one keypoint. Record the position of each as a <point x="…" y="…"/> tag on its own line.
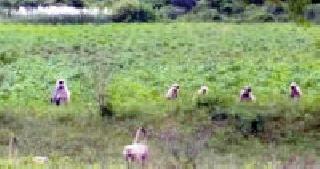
<point x="173" y="92"/>
<point x="201" y="98"/>
<point x="61" y="93"/>
<point x="295" y="92"/>
<point x="246" y="94"/>
<point x="203" y="90"/>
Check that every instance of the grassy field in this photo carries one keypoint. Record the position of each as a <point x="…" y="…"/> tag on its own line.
<point x="134" y="64"/>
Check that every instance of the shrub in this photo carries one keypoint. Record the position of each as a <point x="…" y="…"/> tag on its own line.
<point x="7" y="57"/>
<point x="132" y="11"/>
<point x="312" y="12"/>
<point x="297" y="7"/>
<point x="206" y="15"/>
<point x="209" y="15"/>
<point x="277" y="9"/>
<point x="165" y="13"/>
<point x="187" y="4"/>
<point x="258" y="14"/>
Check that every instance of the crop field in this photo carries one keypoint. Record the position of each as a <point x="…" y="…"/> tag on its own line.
<point x="133" y="65"/>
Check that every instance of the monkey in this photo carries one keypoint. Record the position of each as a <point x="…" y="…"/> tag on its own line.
<point x="173" y="92"/>
<point x="61" y="93"/>
<point x="137" y="151"/>
<point x="200" y="98"/>
<point x="295" y="91"/>
<point x="246" y="94"/>
<point x="203" y="90"/>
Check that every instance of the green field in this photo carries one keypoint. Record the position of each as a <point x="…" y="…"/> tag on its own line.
<point x="147" y="58"/>
<point x="134" y="64"/>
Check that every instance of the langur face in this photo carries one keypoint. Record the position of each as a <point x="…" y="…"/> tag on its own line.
<point x="293" y="87"/>
<point x="204" y="91"/>
<point x="175" y="90"/>
<point x="61" y="84"/>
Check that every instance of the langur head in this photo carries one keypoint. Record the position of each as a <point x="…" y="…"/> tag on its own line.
<point x="247" y="89"/>
<point x="295" y="90"/>
<point x="60" y="84"/>
<point x="61" y="93"/>
<point x="246" y="94"/>
<point x="293" y="85"/>
<point x="203" y="90"/>
<point x="175" y="86"/>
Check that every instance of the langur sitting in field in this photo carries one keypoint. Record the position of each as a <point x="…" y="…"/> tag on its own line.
<point x="200" y="98"/>
<point x="295" y="91"/>
<point x="203" y="90"/>
<point x="61" y="93"/>
<point x="173" y="92"/>
<point x="246" y="94"/>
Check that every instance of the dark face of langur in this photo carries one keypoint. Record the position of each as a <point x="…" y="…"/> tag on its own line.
<point x="294" y="91"/>
<point x="61" y="85"/>
<point x="204" y="91"/>
<point x="246" y="94"/>
<point x="175" y="91"/>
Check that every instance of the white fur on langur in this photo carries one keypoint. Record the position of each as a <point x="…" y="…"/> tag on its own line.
<point x="203" y="90"/>
<point x="295" y="91"/>
<point x="61" y="93"/>
<point x="173" y="92"/>
<point x="246" y="94"/>
<point x="137" y="151"/>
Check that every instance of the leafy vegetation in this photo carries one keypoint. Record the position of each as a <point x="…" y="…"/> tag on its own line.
<point x="133" y="65"/>
<point x="147" y="58"/>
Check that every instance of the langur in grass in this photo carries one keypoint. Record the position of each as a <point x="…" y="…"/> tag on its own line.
<point x="138" y="151"/>
<point x="173" y="92"/>
<point x="200" y="98"/>
<point x="295" y="91"/>
<point x="203" y="90"/>
<point x="61" y="93"/>
<point x="246" y="94"/>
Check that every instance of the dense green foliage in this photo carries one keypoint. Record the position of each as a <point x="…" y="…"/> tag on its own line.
<point x="132" y="11"/>
<point x="151" y="57"/>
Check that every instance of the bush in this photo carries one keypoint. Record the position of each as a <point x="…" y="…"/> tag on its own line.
<point x="210" y="15"/>
<point x="206" y="15"/>
<point x="277" y="9"/>
<point x="258" y="14"/>
<point x="132" y="11"/>
<point x="187" y="4"/>
<point x="312" y="13"/>
<point x="166" y="13"/>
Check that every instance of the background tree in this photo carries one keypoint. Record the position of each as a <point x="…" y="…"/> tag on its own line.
<point x="297" y="7"/>
<point x="187" y="4"/>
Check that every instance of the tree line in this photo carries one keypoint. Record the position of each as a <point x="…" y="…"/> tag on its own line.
<point x="197" y="10"/>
